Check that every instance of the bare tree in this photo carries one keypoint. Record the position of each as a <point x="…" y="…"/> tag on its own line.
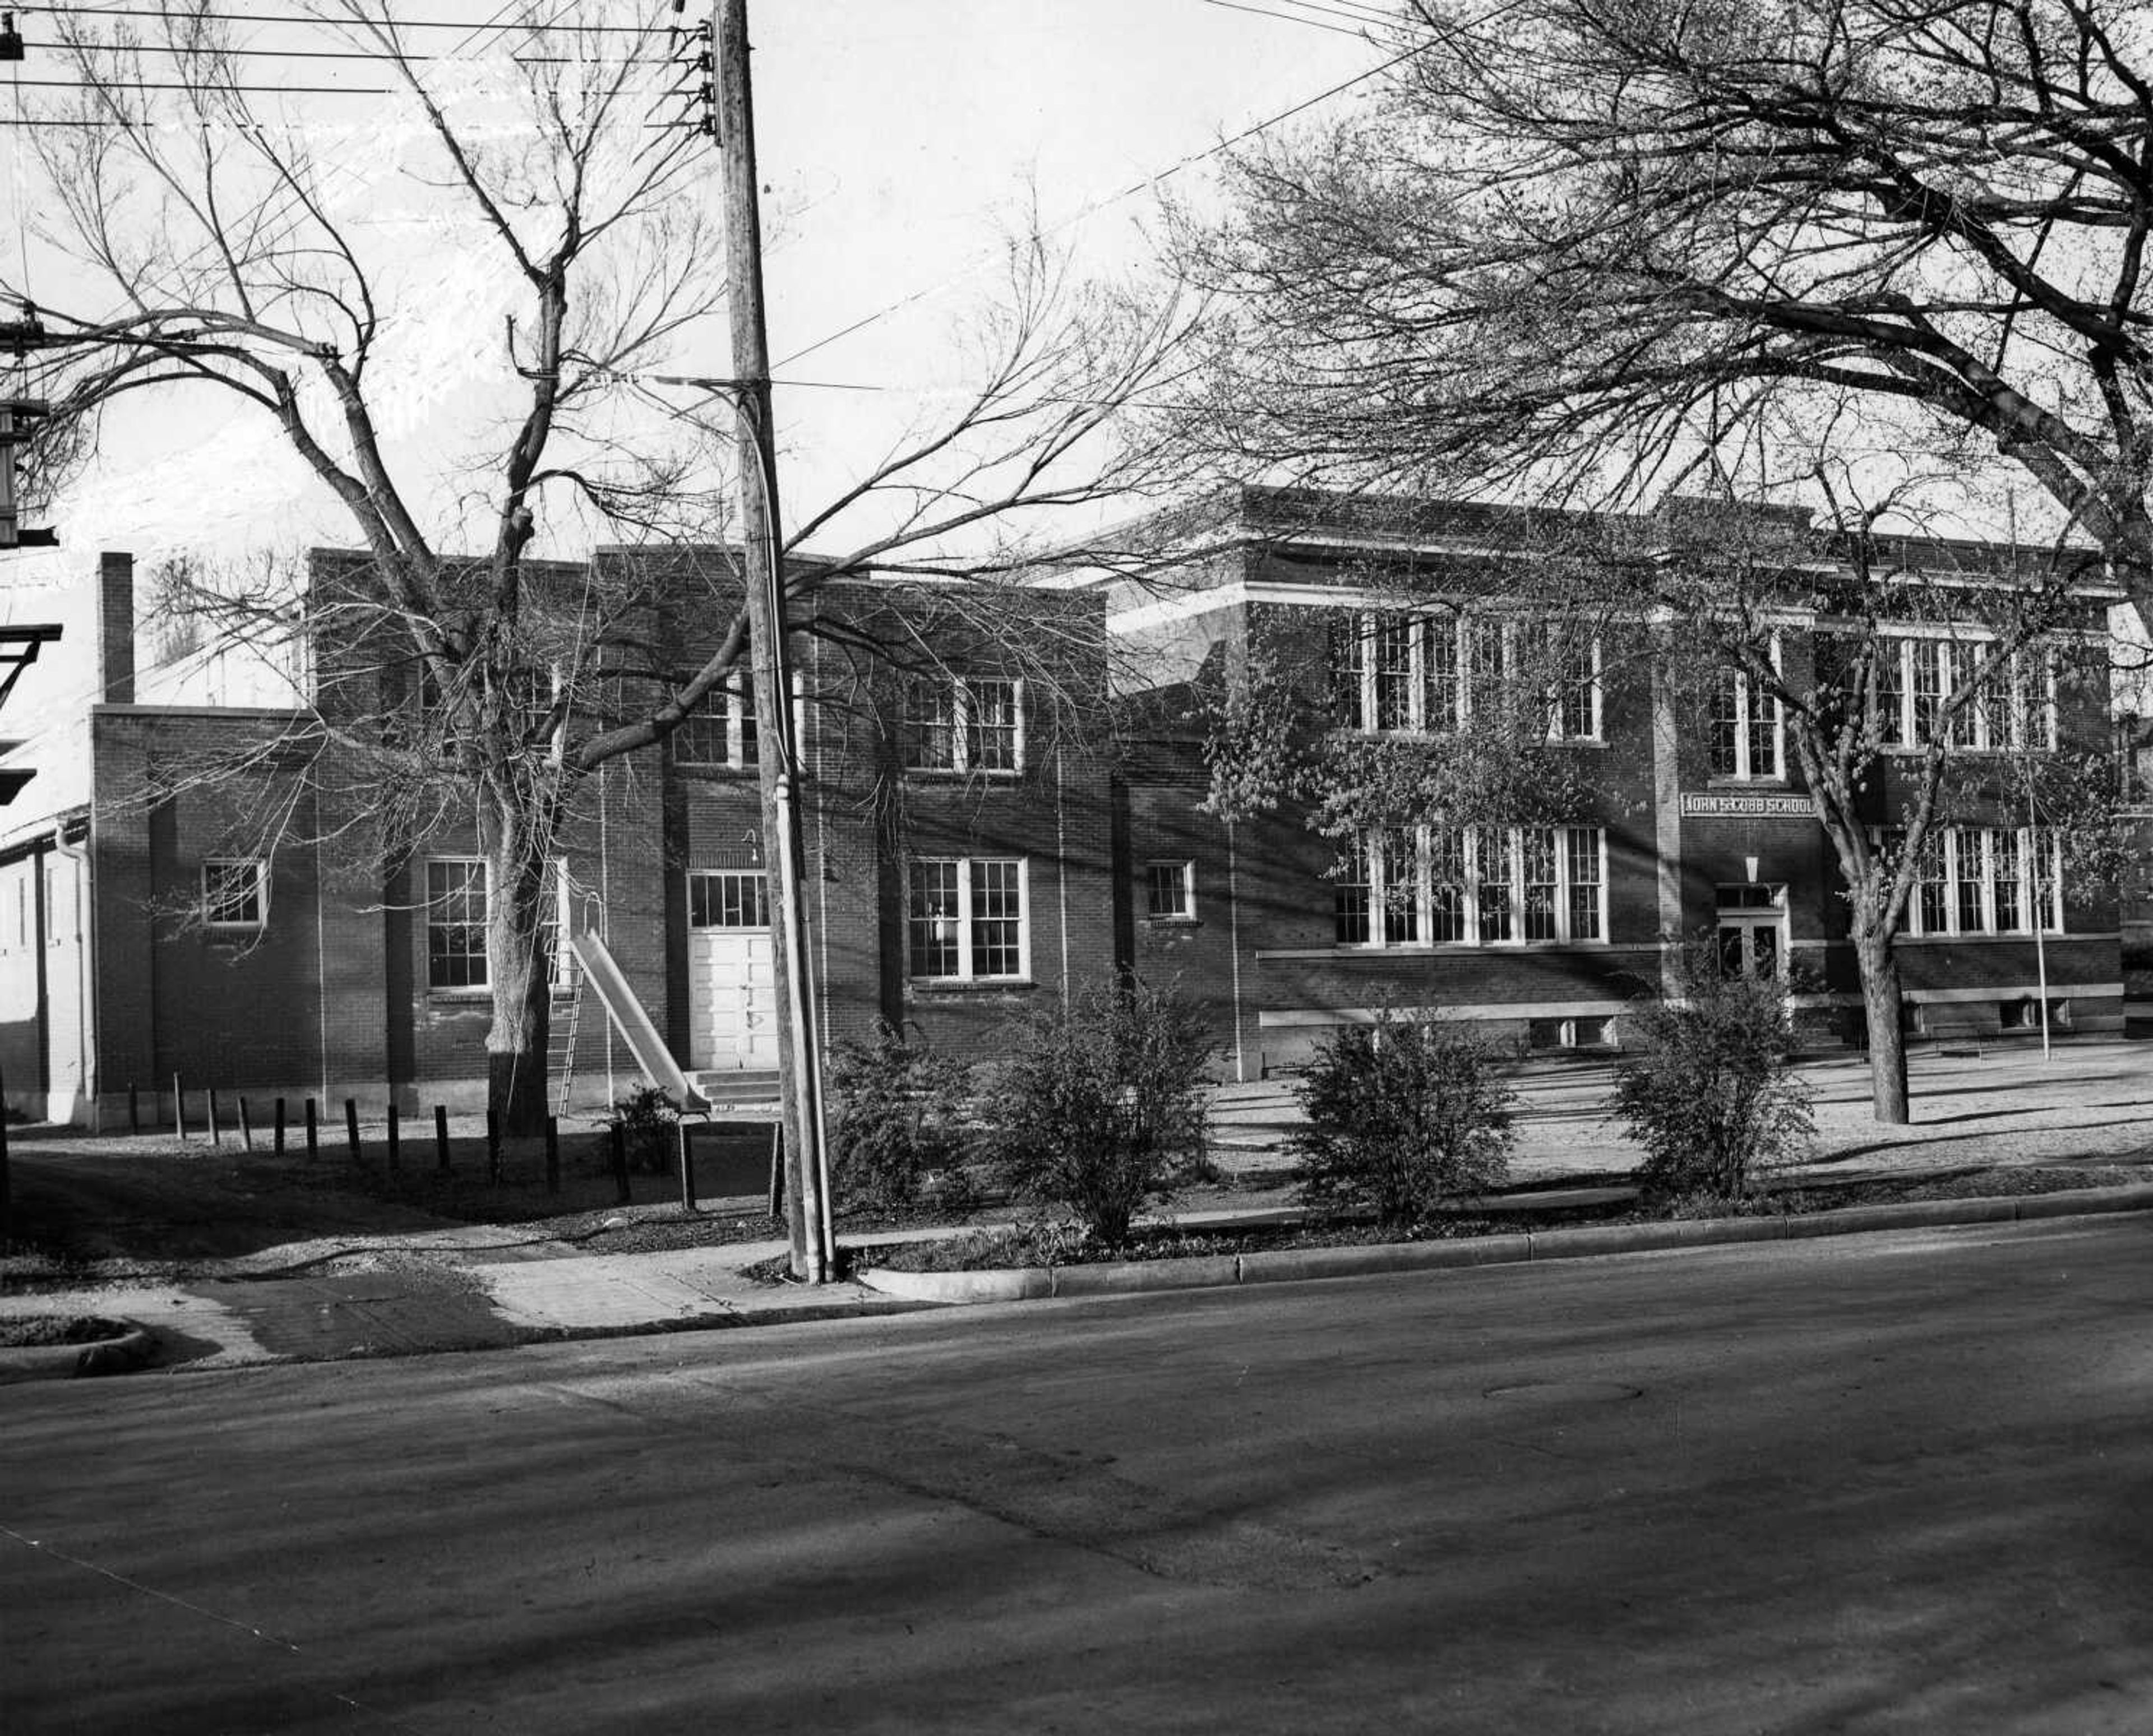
<point x="493" y="682"/>
<point x="1596" y="249"/>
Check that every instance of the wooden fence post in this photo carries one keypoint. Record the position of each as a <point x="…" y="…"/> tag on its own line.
<point x="178" y="1110"/>
<point x="493" y="1146"/>
<point x="552" y="1154"/>
<point x="351" y="1125"/>
<point x="314" y="1132"/>
<point x="246" y="1126"/>
<point x="441" y="1138"/>
<point x="393" y="1155"/>
<point x="622" y="1191"/>
<point x="215" y="1132"/>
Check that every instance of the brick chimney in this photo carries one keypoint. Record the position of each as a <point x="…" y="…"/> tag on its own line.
<point x="115" y="629"/>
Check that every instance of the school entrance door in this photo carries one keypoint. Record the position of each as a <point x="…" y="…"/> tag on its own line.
<point x="1752" y="931"/>
<point x="733" y="1017"/>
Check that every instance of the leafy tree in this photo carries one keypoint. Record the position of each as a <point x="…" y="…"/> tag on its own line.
<point x="1404" y="1115"/>
<point x="1103" y="1107"/>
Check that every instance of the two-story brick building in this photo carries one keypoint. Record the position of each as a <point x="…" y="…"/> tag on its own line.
<point x="1682" y="816"/>
<point x="221" y="908"/>
<point x="228" y="910"/>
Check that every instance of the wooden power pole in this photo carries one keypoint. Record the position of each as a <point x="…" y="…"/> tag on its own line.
<point x="814" y="1247"/>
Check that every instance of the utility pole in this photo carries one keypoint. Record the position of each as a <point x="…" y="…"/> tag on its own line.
<point x="807" y="1206"/>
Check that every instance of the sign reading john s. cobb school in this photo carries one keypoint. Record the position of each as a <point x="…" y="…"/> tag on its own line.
<point x="1728" y="805"/>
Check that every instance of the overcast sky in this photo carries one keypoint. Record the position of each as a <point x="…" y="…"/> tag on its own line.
<point x="898" y="142"/>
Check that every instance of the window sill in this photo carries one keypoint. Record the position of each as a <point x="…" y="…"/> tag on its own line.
<point x="1430" y="949"/>
<point x="1173" y="922"/>
<point x="1729" y="780"/>
<point x="961" y="774"/>
<point x="968" y="985"/>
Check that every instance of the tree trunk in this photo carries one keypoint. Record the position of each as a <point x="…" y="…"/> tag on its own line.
<point x="516" y="1041"/>
<point x="1882" y="1004"/>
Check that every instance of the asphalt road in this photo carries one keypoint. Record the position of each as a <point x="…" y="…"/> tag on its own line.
<point x="1877" y="1484"/>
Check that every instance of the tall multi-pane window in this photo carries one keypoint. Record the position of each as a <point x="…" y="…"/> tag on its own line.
<point x="1495" y="854"/>
<point x="1400" y="855"/>
<point x="1490" y="886"/>
<point x="1543" y="883"/>
<point x="1576" y="679"/>
<point x="1744" y="728"/>
<point x="1583" y="848"/>
<point x="456" y="901"/>
<point x="968" y="724"/>
<point x="1980" y="879"/>
<point x="965" y="919"/>
<point x="2013" y="708"/>
<point x="455" y="923"/>
<point x="1352" y="895"/>
<point x="1399" y="673"/>
<point x="1448" y="919"/>
<point x="721" y="730"/>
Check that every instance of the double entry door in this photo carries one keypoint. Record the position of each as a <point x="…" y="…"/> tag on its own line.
<point x="1753" y="931"/>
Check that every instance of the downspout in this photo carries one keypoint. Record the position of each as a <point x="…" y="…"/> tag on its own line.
<point x="1233" y="949"/>
<point x="85" y="949"/>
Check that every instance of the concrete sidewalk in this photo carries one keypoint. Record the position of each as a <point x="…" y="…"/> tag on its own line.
<point x="472" y="1286"/>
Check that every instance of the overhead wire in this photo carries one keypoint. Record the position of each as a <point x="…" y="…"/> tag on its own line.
<point x="1111" y="199"/>
<point x="240" y="17"/>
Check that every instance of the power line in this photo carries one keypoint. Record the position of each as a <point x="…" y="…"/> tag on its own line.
<point x="1127" y="192"/>
<point x="1313" y="17"/>
<point x="230" y="17"/>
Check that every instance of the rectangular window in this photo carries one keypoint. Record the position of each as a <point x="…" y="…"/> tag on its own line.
<point x="1352" y="896"/>
<point x="1745" y="728"/>
<point x="1543" y="883"/>
<point x="1492" y="886"/>
<point x="721" y="730"/>
<point x="2011" y="707"/>
<point x="1394" y="673"/>
<point x="1970" y="879"/>
<point x="1583" y="846"/>
<point x="235" y="892"/>
<point x="1446" y="884"/>
<point x="1978" y="879"/>
<point x="965" y="919"/>
<point x="1494" y="863"/>
<point x="1170" y="890"/>
<point x="455" y="923"/>
<point x="1397" y="871"/>
<point x="1443" y="687"/>
<point x="1573" y="674"/>
<point x="1891" y="659"/>
<point x="729" y="899"/>
<point x="972" y="723"/>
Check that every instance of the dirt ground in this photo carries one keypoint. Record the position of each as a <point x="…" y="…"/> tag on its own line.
<point x="111" y="1207"/>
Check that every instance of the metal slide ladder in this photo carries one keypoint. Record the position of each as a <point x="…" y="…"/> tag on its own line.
<point x="561" y="1036"/>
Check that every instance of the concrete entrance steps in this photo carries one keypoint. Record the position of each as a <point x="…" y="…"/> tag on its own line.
<point x="737" y="1091"/>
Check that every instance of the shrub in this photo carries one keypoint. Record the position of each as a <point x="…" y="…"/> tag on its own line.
<point x="1707" y="1092"/>
<point x="1104" y="1107"/>
<point x="647" y="1120"/>
<point x="1402" y="1114"/>
<point x="899" y="1119"/>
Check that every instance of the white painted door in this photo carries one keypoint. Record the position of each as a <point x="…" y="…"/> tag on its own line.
<point x="734" y="1025"/>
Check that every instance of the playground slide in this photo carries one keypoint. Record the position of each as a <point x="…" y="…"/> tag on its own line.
<point x="603" y="975"/>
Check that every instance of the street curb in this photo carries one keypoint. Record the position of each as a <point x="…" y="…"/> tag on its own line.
<point x="72" y="1362"/>
<point x="732" y="1320"/>
<point x="1521" y="1247"/>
